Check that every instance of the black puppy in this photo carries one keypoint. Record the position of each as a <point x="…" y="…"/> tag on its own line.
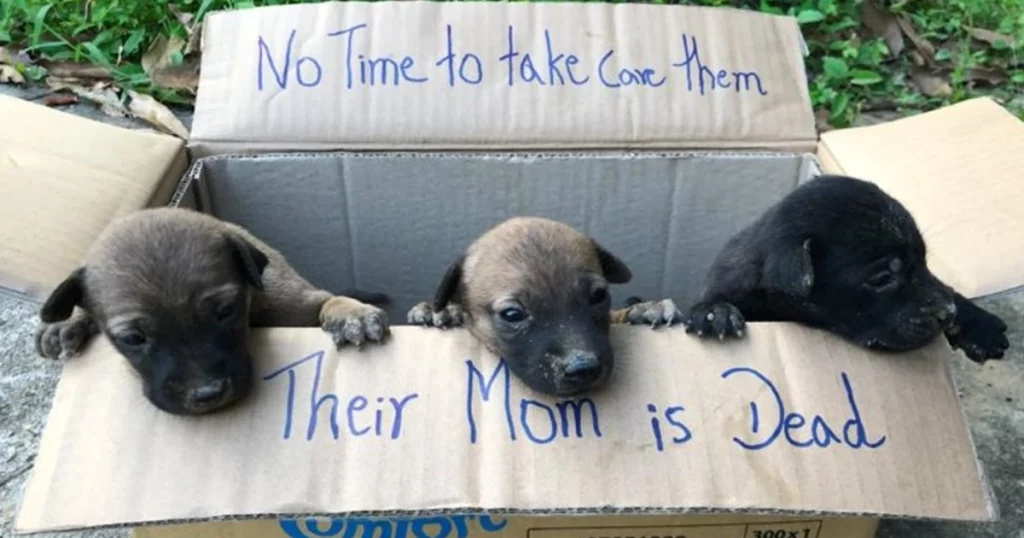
<point x="841" y="255"/>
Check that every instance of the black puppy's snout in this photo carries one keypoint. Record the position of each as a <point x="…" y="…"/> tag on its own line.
<point x="583" y="366"/>
<point x="211" y="392"/>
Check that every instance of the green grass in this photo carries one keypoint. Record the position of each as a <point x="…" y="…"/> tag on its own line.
<point x="850" y="69"/>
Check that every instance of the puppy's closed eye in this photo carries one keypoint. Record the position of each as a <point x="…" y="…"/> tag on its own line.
<point x="131" y="337"/>
<point x="882" y="281"/>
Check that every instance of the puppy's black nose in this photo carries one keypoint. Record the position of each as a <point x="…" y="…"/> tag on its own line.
<point x="582" y="367"/>
<point x="209" y="393"/>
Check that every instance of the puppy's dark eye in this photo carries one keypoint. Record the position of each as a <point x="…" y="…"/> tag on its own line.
<point x="512" y="314"/>
<point x="881" y="281"/>
<point x="225" y="311"/>
<point x="132" y="338"/>
<point x="598" y="296"/>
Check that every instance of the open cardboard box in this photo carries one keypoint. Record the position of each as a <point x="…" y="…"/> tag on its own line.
<point x="788" y="433"/>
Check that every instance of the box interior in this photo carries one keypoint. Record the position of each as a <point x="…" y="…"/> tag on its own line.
<point x="395" y="222"/>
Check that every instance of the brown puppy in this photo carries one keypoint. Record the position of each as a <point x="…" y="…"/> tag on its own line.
<point x="535" y="292"/>
<point x="176" y="291"/>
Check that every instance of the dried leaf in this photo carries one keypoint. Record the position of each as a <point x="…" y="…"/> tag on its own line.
<point x="923" y="46"/>
<point x="184" y="18"/>
<point x="990" y="37"/>
<point x="148" y="109"/>
<point x="821" y="117"/>
<point x="991" y="76"/>
<point x="195" y="39"/>
<point x="930" y="84"/>
<point x="11" y="57"/>
<point x="883" y="24"/>
<point x="159" y="54"/>
<point x="60" y="99"/>
<point x="76" y="70"/>
<point x="10" y="75"/>
<point x="100" y="93"/>
<point x="181" y="77"/>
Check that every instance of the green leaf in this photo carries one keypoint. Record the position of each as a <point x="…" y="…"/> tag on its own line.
<point x="839" y="105"/>
<point x="177" y="58"/>
<point x="131" y="45"/>
<point x="203" y="8"/>
<point x="1018" y="77"/>
<point x="808" y="16"/>
<point x="835" y="68"/>
<point x="5" y="37"/>
<point x="862" y="77"/>
<point x="97" y="55"/>
<point x="37" y="23"/>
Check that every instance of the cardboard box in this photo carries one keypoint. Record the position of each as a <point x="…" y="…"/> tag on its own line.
<point x="790" y="432"/>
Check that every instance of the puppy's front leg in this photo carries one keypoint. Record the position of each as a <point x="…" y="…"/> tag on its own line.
<point x="353" y="322"/>
<point x="64" y="339"/>
<point x="979" y="333"/>
<point x="451" y="316"/>
<point x="653" y="313"/>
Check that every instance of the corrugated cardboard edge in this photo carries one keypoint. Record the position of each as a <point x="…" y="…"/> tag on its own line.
<point x="204" y="148"/>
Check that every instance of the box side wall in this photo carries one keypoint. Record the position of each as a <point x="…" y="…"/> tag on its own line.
<point x="394" y="223"/>
<point x="696" y="526"/>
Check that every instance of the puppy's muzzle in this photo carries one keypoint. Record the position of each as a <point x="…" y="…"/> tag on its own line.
<point x="582" y="368"/>
<point x="209" y="396"/>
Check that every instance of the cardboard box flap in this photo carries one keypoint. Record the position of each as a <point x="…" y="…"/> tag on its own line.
<point x="959" y="172"/>
<point x="788" y="420"/>
<point x="62" y="179"/>
<point x="362" y="75"/>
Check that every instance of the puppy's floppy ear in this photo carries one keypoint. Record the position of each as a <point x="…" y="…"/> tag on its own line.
<point x="252" y="259"/>
<point x="614" y="269"/>
<point x="64" y="298"/>
<point x="789" y="269"/>
<point x="449" y="284"/>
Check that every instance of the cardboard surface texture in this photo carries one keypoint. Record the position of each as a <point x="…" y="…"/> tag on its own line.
<point x="426" y="75"/>
<point x="62" y="179"/>
<point x="472" y="526"/>
<point x="958" y="170"/>
<point x="788" y="420"/>
<point x="339" y="222"/>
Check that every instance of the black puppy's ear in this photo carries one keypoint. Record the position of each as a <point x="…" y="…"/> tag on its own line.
<point x="614" y="269"/>
<point x="253" y="260"/>
<point x="64" y="298"/>
<point x="789" y="269"/>
<point x="449" y="284"/>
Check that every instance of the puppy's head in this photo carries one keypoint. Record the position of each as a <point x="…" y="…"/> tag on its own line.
<point x="171" y="289"/>
<point x="535" y="292"/>
<point x="853" y="259"/>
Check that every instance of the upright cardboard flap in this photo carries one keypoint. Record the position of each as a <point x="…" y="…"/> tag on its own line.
<point x="485" y="75"/>
<point x="789" y="419"/>
<point x="62" y="179"/>
<point x="960" y="172"/>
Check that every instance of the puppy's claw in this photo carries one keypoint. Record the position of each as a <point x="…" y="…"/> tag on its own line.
<point x="350" y="322"/>
<point x="653" y="313"/>
<point x="424" y="314"/>
<point x="979" y="334"/>
<point x="720" y="319"/>
<point x="65" y="339"/>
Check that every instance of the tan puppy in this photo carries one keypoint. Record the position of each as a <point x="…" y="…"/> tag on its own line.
<point x="176" y="291"/>
<point x="535" y="292"/>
